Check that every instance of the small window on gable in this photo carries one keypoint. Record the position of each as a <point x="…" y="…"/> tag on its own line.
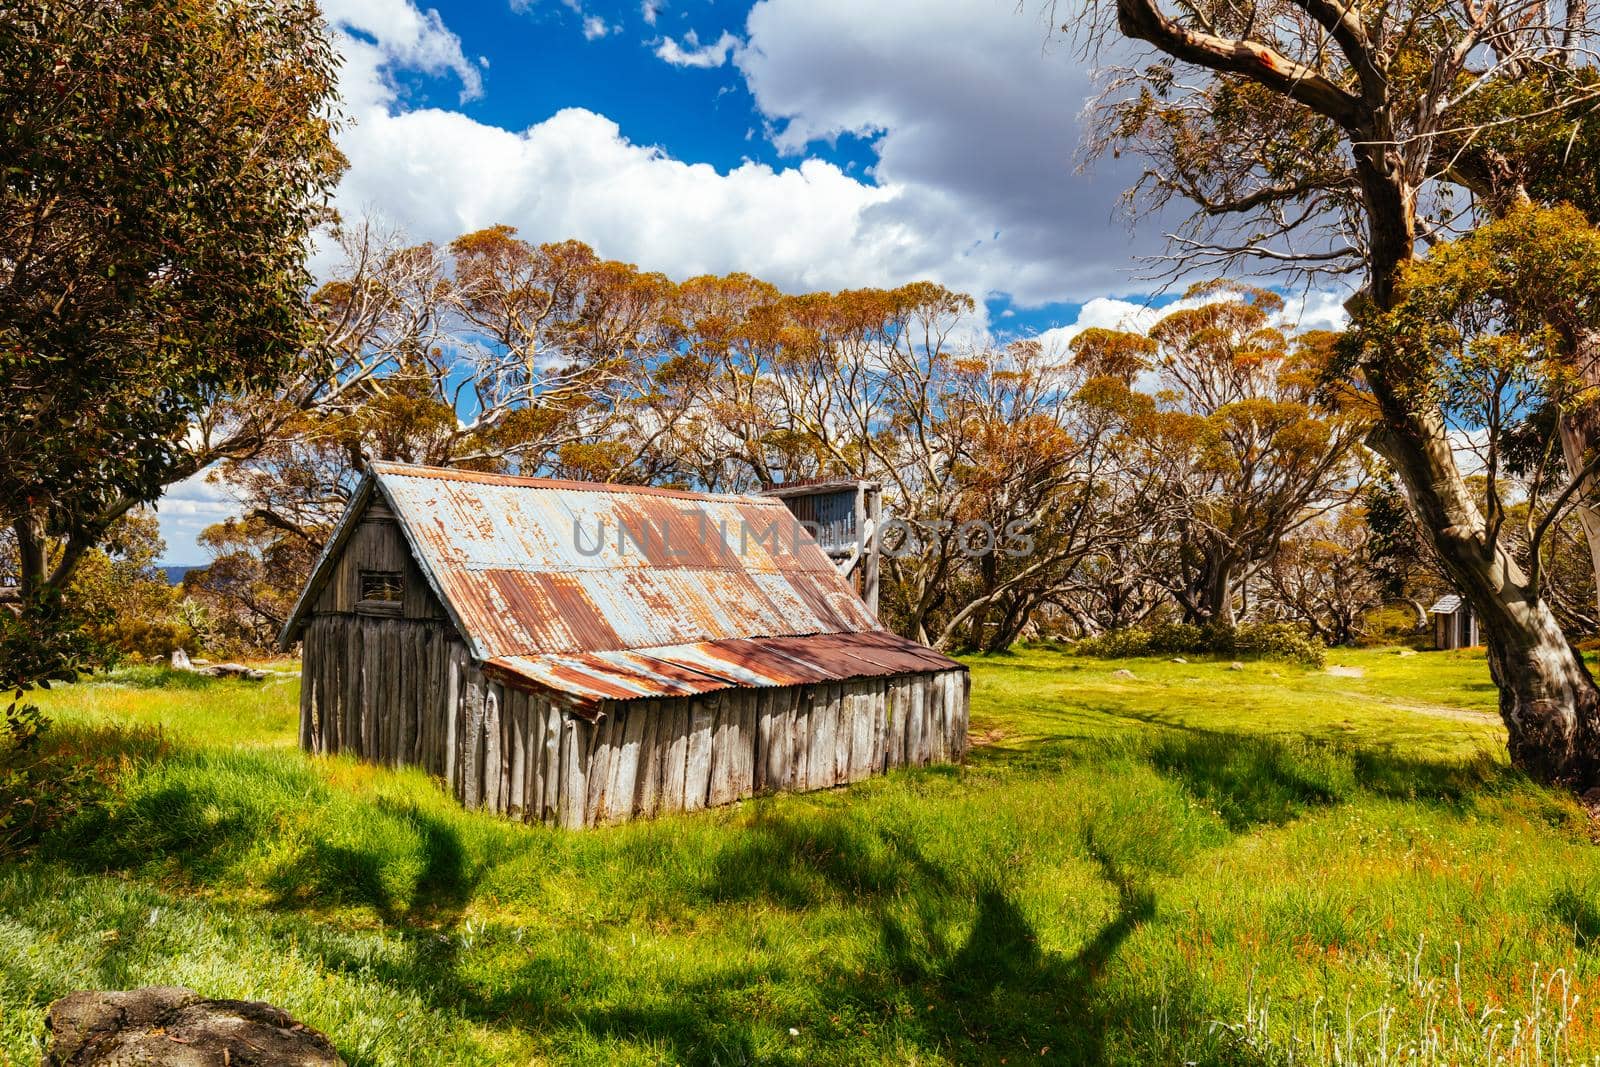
<point x="382" y="590"/>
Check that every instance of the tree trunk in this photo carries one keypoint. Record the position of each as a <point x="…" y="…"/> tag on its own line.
<point x="32" y="552"/>
<point x="1575" y="444"/>
<point x="1216" y="595"/>
<point x="1548" y="700"/>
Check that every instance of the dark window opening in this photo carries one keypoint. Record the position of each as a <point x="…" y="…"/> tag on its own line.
<point x="382" y="589"/>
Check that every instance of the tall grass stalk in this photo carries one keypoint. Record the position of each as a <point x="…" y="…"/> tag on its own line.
<point x="1445" y="1032"/>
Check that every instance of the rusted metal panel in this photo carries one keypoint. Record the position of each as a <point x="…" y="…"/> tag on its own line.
<point x="603" y="592"/>
<point x="534" y="567"/>
<point x="707" y="666"/>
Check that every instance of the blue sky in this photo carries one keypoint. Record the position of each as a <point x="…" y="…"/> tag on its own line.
<point x="819" y="144"/>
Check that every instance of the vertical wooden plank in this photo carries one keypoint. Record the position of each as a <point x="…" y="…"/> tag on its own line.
<point x="880" y="745"/>
<point x="533" y="750"/>
<point x="625" y="761"/>
<point x="819" y="755"/>
<point x="452" y="714"/>
<point x="765" y="770"/>
<point x="840" y="703"/>
<point x="573" y="788"/>
<point x="674" y="743"/>
<point x="914" y="716"/>
<point x="372" y="645"/>
<point x="965" y="696"/>
<point x="517" y="754"/>
<point x="606" y="736"/>
<point x="422" y="694"/>
<point x="472" y="737"/>
<point x="724" y="738"/>
<point x="350" y="709"/>
<point x="746" y="763"/>
<point x="785" y="702"/>
<point x="697" y="758"/>
<point x="386" y="713"/>
<point x="933" y="728"/>
<point x="310" y="656"/>
<point x="895" y="744"/>
<point x="430" y="703"/>
<point x="493" y="749"/>
<point x="405" y="683"/>
<point x="863" y="715"/>
<point x="800" y="739"/>
<point x="647" y="781"/>
<point x="422" y="702"/>
<point x="553" y="729"/>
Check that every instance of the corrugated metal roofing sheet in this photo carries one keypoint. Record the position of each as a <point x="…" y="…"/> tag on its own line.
<point x="607" y="592"/>
<point x="706" y="666"/>
<point x="1446" y="604"/>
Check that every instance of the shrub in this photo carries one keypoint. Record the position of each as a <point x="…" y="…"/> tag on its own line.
<point x="1267" y="640"/>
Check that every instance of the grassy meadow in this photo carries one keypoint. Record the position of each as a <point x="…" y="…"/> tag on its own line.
<point x="1195" y="864"/>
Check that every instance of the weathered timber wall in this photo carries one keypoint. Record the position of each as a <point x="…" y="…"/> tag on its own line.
<point x="398" y="691"/>
<point x="529" y="759"/>
<point x="378" y="687"/>
<point x="376" y="544"/>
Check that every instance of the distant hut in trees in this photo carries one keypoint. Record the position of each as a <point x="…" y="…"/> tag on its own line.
<point x="580" y="653"/>
<point x="1455" y="624"/>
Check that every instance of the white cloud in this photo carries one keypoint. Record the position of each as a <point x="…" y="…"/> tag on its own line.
<point x="574" y="174"/>
<point x="649" y="9"/>
<point x="694" y="54"/>
<point x="394" y="35"/>
<point x="975" y="111"/>
<point x="594" y="27"/>
<point x="1318" y="309"/>
<point x="187" y="508"/>
<point x="973" y="114"/>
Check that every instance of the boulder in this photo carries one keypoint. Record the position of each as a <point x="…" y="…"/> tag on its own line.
<point x="177" y="1027"/>
<point x="180" y="660"/>
<point x="1179" y="659"/>
<point x="1124" y="674"/>
<point x="1236" y="666"/>
<point x="1406" y="652"/>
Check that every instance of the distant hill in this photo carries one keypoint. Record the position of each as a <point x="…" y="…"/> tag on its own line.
<point x="175" y="574"/>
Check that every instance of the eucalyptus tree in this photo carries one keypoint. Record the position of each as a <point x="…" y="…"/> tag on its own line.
<point x="163" y="166"/>
<point x="1317" y="135"/>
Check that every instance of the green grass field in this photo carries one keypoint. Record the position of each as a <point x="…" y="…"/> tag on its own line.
<point x="1197" y="864"/>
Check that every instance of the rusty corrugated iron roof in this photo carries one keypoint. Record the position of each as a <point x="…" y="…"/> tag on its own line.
<point x="606" y="592"/>
<point x="706" y="666"/>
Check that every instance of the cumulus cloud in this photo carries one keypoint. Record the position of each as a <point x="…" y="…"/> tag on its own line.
<point x="575" y="174"/>
<point x="187" y="508"/>
<point x="390" y="35"/>
<point x="971" y="111"/>
<point x="1317" y="309"/>
<point x="975" y="111"/>
<point x="691" y="53"/>
<point x="648" y="10"/>
<point x="594" y="27"/>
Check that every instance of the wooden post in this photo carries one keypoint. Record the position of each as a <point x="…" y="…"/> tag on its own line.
<point x="872" y="548"/>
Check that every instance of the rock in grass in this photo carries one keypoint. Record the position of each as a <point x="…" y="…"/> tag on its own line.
<point x="1179" y="659"/>
<point x="232" y="670"/>
<point x="1125" y="674"/>
<point x="177" y="1027"/>
<point x="1236" y="666"/>
<point x="1406" y="652"/>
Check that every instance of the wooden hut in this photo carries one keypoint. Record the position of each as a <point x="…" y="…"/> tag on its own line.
<point x="579" y="653"/>
<point x="1455" y="624"/>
